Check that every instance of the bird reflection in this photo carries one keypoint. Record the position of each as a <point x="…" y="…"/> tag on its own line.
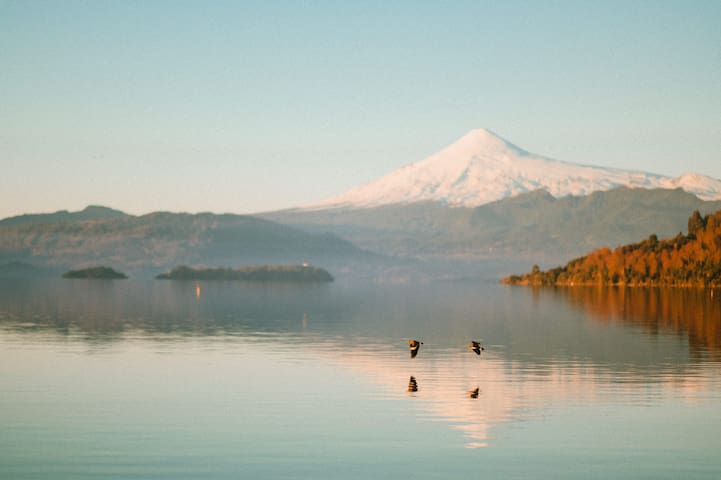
<point x="412" y="384"/>
<point x="473" y="393"/>
<point x="415" y="346"/>
<point x="476" y="347"/>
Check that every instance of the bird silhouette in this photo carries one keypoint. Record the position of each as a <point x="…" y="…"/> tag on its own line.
<point x="474" y="393"/>
<point x="415" y="346"/>
<point x="476" y="347"/>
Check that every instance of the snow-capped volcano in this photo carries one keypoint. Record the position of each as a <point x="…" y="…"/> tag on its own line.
<point x="481" y="167"/>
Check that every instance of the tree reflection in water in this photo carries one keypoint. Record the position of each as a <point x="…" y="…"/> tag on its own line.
<point x="694" y="312"/>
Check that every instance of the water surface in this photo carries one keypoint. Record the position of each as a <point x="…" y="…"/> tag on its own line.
<point x="127" y="379"/>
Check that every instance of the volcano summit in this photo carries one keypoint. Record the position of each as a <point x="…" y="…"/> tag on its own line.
<point x="482" y="167"/>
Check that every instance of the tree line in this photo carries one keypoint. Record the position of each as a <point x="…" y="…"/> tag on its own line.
<point x="684" y="260"/>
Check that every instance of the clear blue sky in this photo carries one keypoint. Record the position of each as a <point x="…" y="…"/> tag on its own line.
<point x="245" y="107"/>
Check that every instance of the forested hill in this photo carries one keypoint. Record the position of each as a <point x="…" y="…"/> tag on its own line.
<point x="92" y="212"/>
<point x="534" y="226"/>
<point x="684" y="260"/>
<point x="148" y="243"/>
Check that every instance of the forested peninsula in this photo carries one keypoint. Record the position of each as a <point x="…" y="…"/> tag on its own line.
<point x="684" y="260"/>
<point x="262" y="273"/>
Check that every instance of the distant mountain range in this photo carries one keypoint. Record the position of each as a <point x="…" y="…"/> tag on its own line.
<point x="535" y="227"/>
<point x="92" y="212"/>
<point x="395" y="242"/>
<point x="159" y="241"/>
<point x="480" y="199"/>
<point x="484" y="198"/>
<point x="481" y="168"/>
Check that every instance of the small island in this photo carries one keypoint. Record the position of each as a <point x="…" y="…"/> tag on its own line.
<point x="692" y="260"/>
<point x="262" y="273"/>
<point x="105" y="273"/>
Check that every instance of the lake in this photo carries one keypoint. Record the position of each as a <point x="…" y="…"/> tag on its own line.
<point x="163" y="379"/>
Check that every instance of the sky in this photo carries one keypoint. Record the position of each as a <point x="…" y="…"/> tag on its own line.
<point x="245" y="106"/>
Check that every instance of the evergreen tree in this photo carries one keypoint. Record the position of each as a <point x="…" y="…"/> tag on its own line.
<point x="695" y="223"/>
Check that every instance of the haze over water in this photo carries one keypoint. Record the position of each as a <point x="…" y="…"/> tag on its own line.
<point x="155" y="379"/>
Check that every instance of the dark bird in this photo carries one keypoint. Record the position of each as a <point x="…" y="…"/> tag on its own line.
<point x="412" y="384"/>
<point x="474" y="393"/>
<point x="476" y="347"/>
<point x="415" y="345"/>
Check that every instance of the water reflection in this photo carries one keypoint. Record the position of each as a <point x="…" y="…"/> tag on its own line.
<point x="101" y="311"/>
<point x="691" y="312"/>
<point x="538" y="326"/>
<point x="515" y="391"/>
<point x="548" y="349"/>
<point x="412" y="384"/>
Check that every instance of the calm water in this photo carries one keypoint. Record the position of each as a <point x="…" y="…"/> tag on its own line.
<point x="151" y="379"/>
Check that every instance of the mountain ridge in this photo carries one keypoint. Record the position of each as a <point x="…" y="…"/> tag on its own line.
<point x="91" y="212"/>
<point x="533" y="225"/>
<point x="481" y="167"/>
<point x="159" y="240"/>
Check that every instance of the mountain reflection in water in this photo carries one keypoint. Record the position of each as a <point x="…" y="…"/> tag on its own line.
<point x="546" y="349"/>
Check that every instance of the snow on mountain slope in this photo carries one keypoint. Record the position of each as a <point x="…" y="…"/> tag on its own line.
<point x="481" y="167"/>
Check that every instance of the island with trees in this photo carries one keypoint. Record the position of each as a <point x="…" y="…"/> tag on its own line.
<point x="684" y="260"/>
<point x="261" y="273"/>
<point x="101" y="272"/>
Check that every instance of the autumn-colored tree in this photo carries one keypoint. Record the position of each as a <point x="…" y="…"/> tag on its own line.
<point x="694" y="259"/>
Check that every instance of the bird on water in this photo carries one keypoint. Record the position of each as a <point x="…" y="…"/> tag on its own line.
<point x="414" y="345"/>
<point x="476" y="347"/>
